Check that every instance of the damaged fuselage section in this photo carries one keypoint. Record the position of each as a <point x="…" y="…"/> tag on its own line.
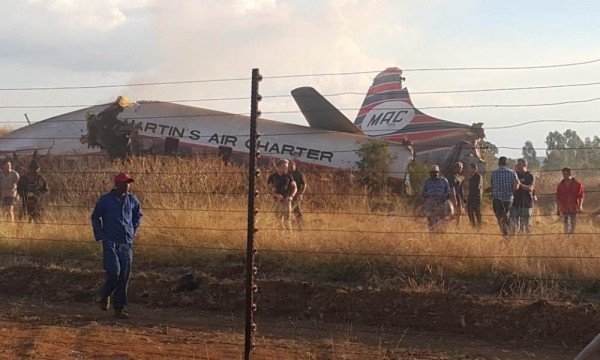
<point x="107" y="132"/>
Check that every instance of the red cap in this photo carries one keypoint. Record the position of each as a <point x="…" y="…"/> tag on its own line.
<point x="123" y="177"/>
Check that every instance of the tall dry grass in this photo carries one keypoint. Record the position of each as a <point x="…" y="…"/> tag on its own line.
<point x="195" y="215"/>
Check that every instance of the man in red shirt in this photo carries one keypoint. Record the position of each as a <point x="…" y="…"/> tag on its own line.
<point x="569" y="200"/>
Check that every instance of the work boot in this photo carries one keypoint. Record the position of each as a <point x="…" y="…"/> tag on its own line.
<point x="121" y="314"/>
<point x="105" y="303"/>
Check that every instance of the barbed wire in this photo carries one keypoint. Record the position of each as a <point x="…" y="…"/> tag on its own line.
<point x="338" y="171"/>
<point x="348" y="253"/>
<point x="204" y="193"/>
<point x="391" y="214"/>
<point x="389" y="143"/>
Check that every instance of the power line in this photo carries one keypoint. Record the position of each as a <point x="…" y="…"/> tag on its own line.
<point x="542" y="121"/>
<point x="217" y="80"/>
<point x="469" y="106"/>
<point x="155" y="83"/>
<point x="245" y="98"/>
<point x="475" y="68"/>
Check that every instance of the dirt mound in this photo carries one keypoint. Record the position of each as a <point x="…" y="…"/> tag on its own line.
<point x="389" y="309"/>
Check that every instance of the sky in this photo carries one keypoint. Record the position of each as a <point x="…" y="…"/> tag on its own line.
<point x="98" y="42"/>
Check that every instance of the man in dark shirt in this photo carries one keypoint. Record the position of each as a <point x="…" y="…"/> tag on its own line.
<point x="115" y="220"/>
<point x="31" y="188"/>
<point x="456" y="183"/>
<point x="522" y="206"/>
<point x="298" y="177"/>
<point x="284" y="191"/>
<point x="474" y="197"/>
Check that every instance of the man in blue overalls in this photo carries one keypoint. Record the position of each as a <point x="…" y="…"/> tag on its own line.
<point x="115" y="220"/>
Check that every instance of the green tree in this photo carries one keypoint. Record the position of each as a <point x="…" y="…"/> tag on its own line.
<point x="489" y="153"/>
<point x="373" y="164"/>
<point x="530" y="155"/>
<point x="566" y="149"/>
<point x="592" y="151"/>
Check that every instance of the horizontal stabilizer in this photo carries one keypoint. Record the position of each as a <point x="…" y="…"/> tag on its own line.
<point x="320" y="113"/>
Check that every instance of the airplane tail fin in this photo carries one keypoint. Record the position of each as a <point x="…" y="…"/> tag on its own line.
<point x="388" y="112"/>
<point x="320" y="113"/>
<point x="387" y="107"/>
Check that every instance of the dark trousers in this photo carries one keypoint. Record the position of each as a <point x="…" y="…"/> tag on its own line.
<point x="570" y="221"/>
<point x="501" y="209"/>
<point x="116" y="259"/>
<point x="31" y="208"/>
<point x="297" y="210"/>
<point x="474" y="211"/>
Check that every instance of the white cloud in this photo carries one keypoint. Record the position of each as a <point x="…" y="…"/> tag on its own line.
<point x="101" y="15"/>
<point x="75" y="35"/>
<point x="226" y="39"/>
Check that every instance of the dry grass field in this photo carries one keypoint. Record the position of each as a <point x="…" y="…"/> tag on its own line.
<point x="195" y="214"/>
<point x="364" y="279"/>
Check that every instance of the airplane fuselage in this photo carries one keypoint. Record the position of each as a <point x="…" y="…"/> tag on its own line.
<point x="167" y="128"/>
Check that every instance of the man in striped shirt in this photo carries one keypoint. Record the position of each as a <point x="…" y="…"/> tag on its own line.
<point x="504" y="184"/>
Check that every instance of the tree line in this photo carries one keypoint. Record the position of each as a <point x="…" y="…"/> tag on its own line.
<point x="562" y="149"/>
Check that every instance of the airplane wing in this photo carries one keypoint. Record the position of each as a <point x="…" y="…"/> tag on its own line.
<point x="320" y="113"/>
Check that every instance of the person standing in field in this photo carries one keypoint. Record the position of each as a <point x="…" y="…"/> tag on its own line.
<point x="298" y="177"/>
<point x="504" y="184"/>
<point x="115" y="221"/>
<point x="31" y="188"/>
<point x="284" y="191"/>
<point x="474" y="198"/>
<point x="456" y="190"/>
<point x="522" y="206"/>
<point x="569" y="200"/>
<point x="9" y="179"/>
<point x="436" y="191"/>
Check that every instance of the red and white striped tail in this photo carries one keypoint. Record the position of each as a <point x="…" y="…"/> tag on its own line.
<point x="388" y="112"/>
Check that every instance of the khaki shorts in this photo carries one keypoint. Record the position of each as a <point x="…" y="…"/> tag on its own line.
<point x="283" y="209"/>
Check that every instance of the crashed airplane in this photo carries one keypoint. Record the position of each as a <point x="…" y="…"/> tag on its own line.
<point x="331" y="141"/>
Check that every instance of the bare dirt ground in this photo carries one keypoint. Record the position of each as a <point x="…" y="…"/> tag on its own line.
<point x="42" y="330"/>
<point x="46" y="312"/>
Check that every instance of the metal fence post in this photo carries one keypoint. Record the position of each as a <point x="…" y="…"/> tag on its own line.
<point x="251" y="287"/>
